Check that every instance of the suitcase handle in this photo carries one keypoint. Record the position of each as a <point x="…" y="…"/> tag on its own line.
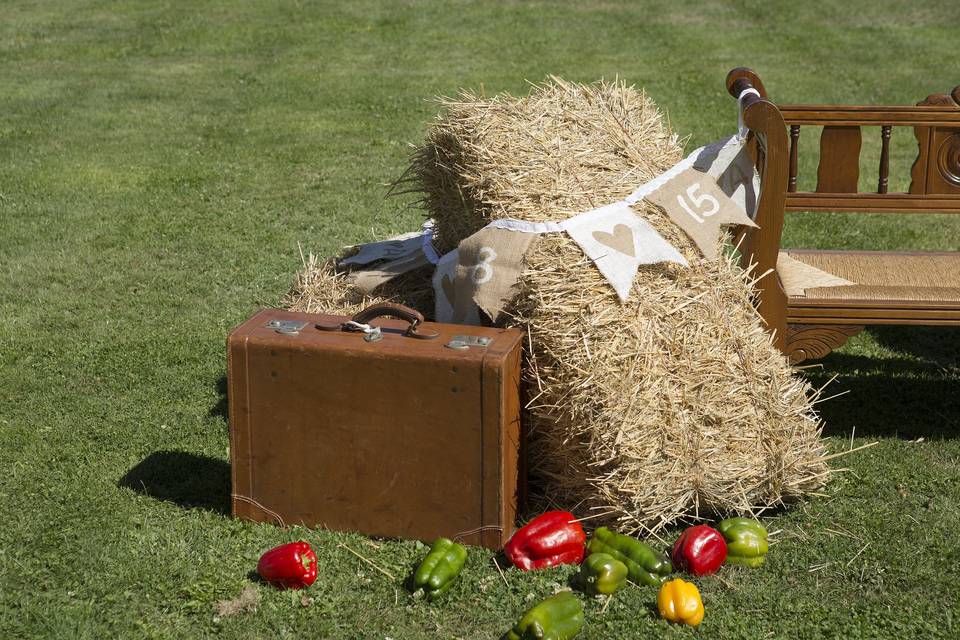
<point x="393" y="310"/>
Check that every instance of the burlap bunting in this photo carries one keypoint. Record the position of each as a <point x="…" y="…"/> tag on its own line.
<point x="714" y="186"/>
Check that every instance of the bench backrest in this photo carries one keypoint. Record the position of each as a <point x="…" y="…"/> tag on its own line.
<point x="935" y="176"/>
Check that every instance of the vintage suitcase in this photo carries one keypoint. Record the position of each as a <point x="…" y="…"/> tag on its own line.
<point x="410" y="429"/>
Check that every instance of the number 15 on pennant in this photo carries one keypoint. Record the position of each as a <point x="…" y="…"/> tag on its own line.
<point x="698" y="202"/>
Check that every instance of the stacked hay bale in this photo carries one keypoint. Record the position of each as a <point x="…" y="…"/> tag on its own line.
<point x="671" y="405"/>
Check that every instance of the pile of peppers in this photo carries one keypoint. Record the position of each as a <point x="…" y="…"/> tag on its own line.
<point x="610" y="559"/>
<point x="606" y="562"/>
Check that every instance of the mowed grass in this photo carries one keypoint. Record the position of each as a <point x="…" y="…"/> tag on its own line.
<point x="160" y="162"/>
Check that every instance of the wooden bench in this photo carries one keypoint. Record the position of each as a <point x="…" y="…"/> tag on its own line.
<point x="907" y="288"/>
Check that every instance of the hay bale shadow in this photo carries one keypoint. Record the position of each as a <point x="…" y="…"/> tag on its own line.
<point x="909" y="397"/>
<point x="190" y="480"/>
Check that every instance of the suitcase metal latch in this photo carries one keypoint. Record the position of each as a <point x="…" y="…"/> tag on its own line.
<point x="465" y="342"/>
<point x="286" y="327"/>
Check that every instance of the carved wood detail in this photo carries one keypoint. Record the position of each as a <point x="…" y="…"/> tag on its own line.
<point x="948" y="159"/>
<point x="945" y="143"/>
<point x="918" y="172"/>
<point x="942" y="99"/>
<point x="814" y="341"/>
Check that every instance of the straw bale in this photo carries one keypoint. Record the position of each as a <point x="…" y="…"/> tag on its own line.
<point x="321" y="287"/>
<point x="673" y="405"/>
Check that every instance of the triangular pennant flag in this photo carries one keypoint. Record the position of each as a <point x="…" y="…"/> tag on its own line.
<point x="453" y="304"/>
<point x="699" y="206"/>
<point x="618" y="241"/>
<point x="489" y="266"/>
<point x="730" y="164"/>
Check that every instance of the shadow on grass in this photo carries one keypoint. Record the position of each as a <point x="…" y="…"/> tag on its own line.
<point x="187" y="479"/>
<point x="912" y="396"/>
<point x="939" y="346"/>
<point x="221" y="409"/>
<point x="254" y="577"/>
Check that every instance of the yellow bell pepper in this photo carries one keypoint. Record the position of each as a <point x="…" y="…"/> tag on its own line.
<point x="679" y="601"/>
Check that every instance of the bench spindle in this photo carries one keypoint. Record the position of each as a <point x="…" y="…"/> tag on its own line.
<point x="794" y="139"/>
<point x="884" y="158"/>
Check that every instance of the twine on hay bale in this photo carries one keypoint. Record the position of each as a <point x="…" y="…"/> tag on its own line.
<point x="672" y="405"/>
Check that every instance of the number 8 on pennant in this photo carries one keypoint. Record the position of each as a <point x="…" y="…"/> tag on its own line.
<point x="482" y="271"/>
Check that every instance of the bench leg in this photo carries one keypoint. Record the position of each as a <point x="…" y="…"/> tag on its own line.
<point x="814" y="341"/>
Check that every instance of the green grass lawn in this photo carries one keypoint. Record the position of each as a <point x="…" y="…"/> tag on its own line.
<point x="159" y="163"/>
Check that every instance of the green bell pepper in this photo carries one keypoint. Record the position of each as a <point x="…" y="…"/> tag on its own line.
<point x="601" y="573"/>
<point x="644" y="565"/>
<point x="440" y="569"/>
<point x="559" y="617"/>
<point x="746" y="541"/>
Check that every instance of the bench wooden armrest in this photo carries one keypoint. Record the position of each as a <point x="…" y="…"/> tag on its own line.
<point x="759" y="247"/>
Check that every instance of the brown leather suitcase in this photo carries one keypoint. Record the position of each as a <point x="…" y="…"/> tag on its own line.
<point x="408" y="429"/>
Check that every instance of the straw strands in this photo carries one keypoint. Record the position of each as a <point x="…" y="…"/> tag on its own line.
<point x="671" y="405"/>
<point x="321" y="287"/>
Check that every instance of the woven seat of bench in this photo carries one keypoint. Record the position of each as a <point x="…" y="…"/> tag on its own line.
<point x="885" y="276"/>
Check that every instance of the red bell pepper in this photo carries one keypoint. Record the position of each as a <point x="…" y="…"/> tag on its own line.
<point x="289" y="566"/>
<point x="552" y="538"/>
<point x="699" y="550"/>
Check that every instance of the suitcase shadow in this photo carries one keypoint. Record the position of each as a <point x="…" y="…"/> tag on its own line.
<point x="221" y="409"/>
<point x="190" y="480"/>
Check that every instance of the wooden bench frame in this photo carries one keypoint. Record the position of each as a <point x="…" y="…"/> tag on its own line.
<point x="812" y="328"/>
